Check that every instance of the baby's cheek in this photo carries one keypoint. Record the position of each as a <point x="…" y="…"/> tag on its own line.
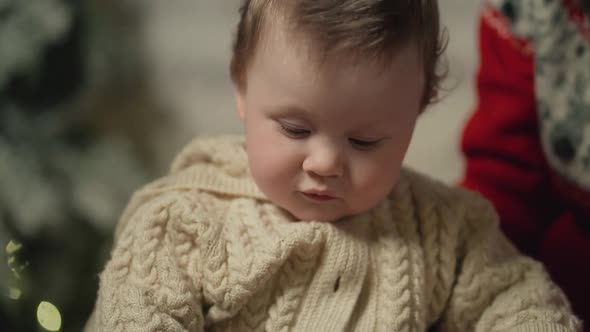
<point x="375" y="186"/>
<point x="277" y="165"/>
<point x="272" y="169"/>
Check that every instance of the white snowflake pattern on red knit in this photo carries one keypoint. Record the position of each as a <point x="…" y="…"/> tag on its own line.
<point x="557" y="32"/>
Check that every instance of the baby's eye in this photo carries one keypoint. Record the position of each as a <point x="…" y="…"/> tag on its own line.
<point x="363" y="144"/>
<point x="293" y="131"/>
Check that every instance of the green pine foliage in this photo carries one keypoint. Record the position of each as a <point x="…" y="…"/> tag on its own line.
<point x="70" y="80"/>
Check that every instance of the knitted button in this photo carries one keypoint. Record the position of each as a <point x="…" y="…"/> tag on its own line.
<point x="337" y="284"/>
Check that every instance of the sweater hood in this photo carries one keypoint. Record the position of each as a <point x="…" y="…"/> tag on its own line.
<point x="214" y="164"/>
<point x="228" y="153"/>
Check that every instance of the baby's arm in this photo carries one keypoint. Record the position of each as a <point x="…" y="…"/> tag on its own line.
<point x="142" y="287"/>
<point x="497" y="289"/>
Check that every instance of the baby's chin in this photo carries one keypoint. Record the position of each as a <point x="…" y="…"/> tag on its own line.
<point x="304" y="216"/>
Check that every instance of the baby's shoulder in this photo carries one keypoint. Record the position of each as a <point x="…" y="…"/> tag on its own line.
<point x="170" y="209"/>
<point x="430" y="198"/>
<point x="430" y="190"/>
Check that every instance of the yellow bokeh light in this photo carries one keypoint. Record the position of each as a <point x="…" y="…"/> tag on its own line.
<point x="14" y="293"/>
<point x="48" y="316"/>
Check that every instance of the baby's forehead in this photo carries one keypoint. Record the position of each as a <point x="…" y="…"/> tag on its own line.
<point x="279" y="75"/>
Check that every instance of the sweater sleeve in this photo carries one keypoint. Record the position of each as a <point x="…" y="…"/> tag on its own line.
<point x="498" y="289"/>
<point x="142" y="287"/>
<point x="501" y="145"/>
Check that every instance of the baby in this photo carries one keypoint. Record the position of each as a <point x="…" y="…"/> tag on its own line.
<point x="310" y="223"/>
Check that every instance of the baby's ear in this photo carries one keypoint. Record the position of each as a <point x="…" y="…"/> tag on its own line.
<point x="240" y="96"/>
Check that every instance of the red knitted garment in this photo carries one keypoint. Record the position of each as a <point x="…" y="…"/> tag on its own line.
<point x="510" y="157"/>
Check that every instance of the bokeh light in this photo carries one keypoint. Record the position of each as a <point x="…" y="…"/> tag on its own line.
<point x="49" y="316"/>
<point x="14" y="293"/>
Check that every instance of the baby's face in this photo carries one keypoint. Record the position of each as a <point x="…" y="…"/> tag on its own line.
<point x="327" y="142"/>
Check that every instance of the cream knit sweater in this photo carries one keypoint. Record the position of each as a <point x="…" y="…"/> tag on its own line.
<point x="203" y="250"/>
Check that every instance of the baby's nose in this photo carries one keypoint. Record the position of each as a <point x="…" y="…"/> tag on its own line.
<point x="325" y="162"/>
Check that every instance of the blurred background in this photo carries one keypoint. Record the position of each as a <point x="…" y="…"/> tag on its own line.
<point x="96" y="96"/>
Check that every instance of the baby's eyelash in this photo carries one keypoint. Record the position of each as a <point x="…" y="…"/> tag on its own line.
<point x="363" y="144"/>
<point x="293" y="131"/>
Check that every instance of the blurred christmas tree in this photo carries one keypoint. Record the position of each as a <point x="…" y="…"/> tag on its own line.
<point x="74" y="118"/>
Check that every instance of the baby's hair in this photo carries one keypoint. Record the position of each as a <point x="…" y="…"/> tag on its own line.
<point x="358" y="29"/>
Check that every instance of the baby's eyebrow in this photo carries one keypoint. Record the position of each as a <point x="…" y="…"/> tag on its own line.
<point x="377" y="125"/>
<point x="291" y="110"/>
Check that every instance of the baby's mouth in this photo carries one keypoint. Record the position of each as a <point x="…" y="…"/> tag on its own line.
<point x="318" y="196"/>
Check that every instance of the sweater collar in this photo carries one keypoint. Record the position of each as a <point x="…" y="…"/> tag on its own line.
<point x="214" y="164"/>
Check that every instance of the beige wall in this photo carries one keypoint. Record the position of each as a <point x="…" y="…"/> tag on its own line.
<point x="188" y="44"/>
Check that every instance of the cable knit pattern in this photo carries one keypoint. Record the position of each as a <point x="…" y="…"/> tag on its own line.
<point x="202" y="249"/>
